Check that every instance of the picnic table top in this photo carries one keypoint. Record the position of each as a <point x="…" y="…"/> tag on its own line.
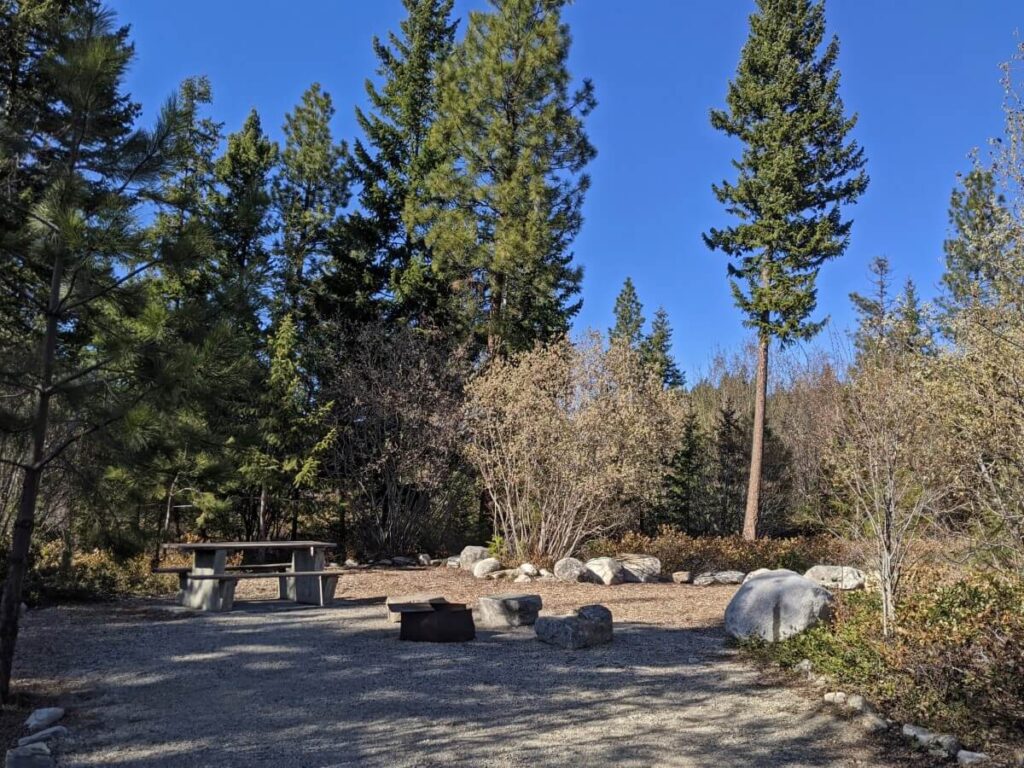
<point x="237" y="545"/>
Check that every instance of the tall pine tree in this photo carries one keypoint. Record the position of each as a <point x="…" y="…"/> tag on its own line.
<point x="798" y="168"/>
<point x="395" y="158"/>
<point x="501" y="212"/>
<point x="656" y="351"/>
<point x="629" y="317"/>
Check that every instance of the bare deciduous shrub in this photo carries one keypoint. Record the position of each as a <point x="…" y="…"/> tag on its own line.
<point x="397" y="397"/>
<point x="569" y="440"/>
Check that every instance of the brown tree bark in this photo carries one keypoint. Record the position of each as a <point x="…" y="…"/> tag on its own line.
<point x="750" y="515"/>
<point x="17" y="558"/>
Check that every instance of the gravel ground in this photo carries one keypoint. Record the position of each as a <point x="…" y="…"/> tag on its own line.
<point x="276" y="684"/>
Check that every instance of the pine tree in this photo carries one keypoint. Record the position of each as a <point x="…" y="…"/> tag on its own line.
<point x="912" y="328"/>
<point x="797" y="170"/>
<point x="656" y="351"/>
<point x="977" y="242"/>
<point x="686" y="482"/>
<point x="502" y="210"/>
<point x="395" y="159"/>
<point x="78" y="175"/>
<point x="874" y="311"/>
<point x="629" y="317"/>
<point x="309" y="192"/>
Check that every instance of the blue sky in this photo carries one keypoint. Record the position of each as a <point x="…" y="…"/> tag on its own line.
<point x="922" y="74"/>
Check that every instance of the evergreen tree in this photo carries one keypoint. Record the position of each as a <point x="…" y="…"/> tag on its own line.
<point x="629" y="317"/>
<point x="395" y="159"/>
<point x="977" y="243"/>
<point x="656" y="350"/>
<point x="874" y="311"/>
<point x="77" y="172"/>
<point x="686" y="482"/>
<point x="502" y="210"/>
<point x="912" y="329"/>
<point x="797" y="170"/>
<point x="309" y="191"/>
<point x="730" y="452"/>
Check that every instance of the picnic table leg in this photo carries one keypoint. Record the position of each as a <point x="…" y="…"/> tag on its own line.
<point x="207" y="595"/>
<point x="306" y="589"/>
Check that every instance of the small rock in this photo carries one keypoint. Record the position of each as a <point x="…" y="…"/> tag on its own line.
<point x="546" y="574"/>
<point x="836" y="577"/>
<point x="425" y="559"/>
<point x="453" y="562"/>
<point x="591" y="625"/>
<point x="569" y="569"/>
<point x="470" y="556"/>
<point x="963" y="757"/>
<point x="439" y="561"/>
<point x="351" y="562"/>
<point x="53" y="732"/>
<point x="522" y="578"/>
<point x="387" y="562"/>
<point x="43" y="718"/>
<point x="873" y="723"/>
<point x="682" y="577"/>
<point x="950" y="744"/>
<point x="529" y="569"/>
<point x="729" y="577"/>
<point x="804" y="667"/>
<point x="704" y="580"/>
<point x="835" y="697"/>
<point x="486" y="567"/>
<point x="641" y="569"/>
<point x="604" y="570"/>
<point x="508" y="573"/>
<point x="855" y="702"/>
<point x="512" y="610"/>
<point x="404" y="561"/>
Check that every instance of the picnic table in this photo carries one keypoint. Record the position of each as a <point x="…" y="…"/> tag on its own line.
<point x="209" y="584"/>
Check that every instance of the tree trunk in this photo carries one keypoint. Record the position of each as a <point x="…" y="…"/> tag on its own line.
<point x="750" y="516"/>
<point x="21" y="538"/>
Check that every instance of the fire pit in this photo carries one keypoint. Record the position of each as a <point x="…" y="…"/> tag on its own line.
<point x="435" y="622"/>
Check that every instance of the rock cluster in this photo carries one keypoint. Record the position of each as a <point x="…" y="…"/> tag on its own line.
<point x="32" y="750"/>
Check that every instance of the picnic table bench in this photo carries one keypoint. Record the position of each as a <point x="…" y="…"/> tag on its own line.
<point x="209" y="584"/>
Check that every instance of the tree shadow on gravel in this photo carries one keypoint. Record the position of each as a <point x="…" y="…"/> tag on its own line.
<point x="275" y="684"/>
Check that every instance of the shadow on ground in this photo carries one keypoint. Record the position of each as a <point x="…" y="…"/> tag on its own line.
<point x="275" y="684"/>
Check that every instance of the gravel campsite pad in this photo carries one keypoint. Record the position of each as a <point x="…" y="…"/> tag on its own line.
<point x="278" y="684"/>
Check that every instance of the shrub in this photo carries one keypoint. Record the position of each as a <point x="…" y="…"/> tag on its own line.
<point x="679" y="551"/>
<point x="955" y="662"/>
<point x="93" y="575"/>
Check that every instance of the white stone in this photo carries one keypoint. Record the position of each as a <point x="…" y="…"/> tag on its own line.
<point x="486" y="566"/>
<point x="963" y="757"/>
<point x="855" y="702"/>
<point x="53" y="732"/>
<point x="43" y="718"/>
<point x="682" y="577"/>
<point x="470" y="556"/>
<point x="604" y="570"/>
<point x="804" y="667"/>
<point x="453" y="562"/>
<point x="546" y="574"/>
<point x="351" y="563"/>
<point x="502" y="574"/>
<point x="775" y="606"/>
<point x="836" y="577"/>
<point x="835" y="697"/>
<point x="522" y="578"/>
<point x="570" y="569"/>
<point x="424" y="559"/>
<point x="729" y="577"/>
<point x="529" y="569"/>
<point x="642" y="569"/>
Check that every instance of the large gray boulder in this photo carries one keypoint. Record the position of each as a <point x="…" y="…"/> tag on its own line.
<point x="836" y="577"/>
<point x="570" y="569"/>
<point x="487" y="566"/>
<point x="604" y="570"/>
<point x="640" y="568"/>
<point x="470" y="556"/>
<point x="776" y="605"/>
<point x="512" y="610"/>
<point x="591" y="625"/>
<point x="30" y="756"/>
